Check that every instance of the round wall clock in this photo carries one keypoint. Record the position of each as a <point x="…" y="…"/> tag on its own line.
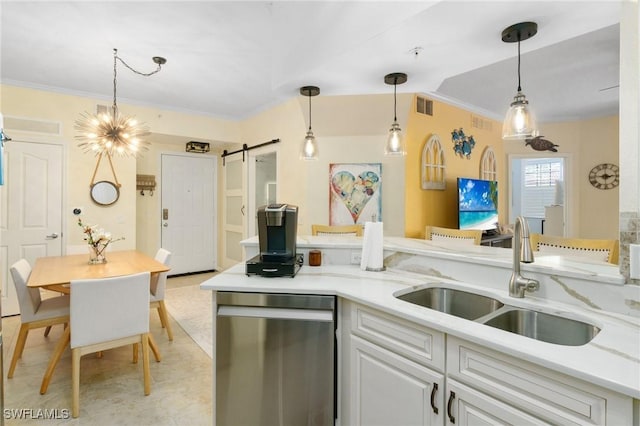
<point x="605" y="176"/>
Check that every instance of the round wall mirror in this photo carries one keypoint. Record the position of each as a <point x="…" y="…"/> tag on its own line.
<point x="104" y="193"/>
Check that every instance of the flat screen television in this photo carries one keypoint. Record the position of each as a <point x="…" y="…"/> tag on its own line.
<point x="477" y="204"/>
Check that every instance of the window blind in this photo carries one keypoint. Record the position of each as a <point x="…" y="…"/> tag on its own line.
<point x="540" y="177"/>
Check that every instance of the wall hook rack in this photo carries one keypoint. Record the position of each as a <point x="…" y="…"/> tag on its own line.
<point x="146" y="183"/>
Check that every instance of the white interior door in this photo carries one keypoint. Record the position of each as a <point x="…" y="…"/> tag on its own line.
<point x="188" y="211"/>
<point x="234" y="213"/>
<point x="31" y="210"/>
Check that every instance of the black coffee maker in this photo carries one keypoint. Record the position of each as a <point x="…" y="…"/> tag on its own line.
<point x="277" y="231"/>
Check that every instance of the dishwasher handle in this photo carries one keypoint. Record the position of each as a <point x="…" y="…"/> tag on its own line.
<point x="276" y="313"/>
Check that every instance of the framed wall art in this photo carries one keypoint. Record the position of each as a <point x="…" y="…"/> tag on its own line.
<point x="355" y="193"/>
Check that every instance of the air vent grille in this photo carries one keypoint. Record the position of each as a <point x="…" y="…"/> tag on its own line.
<point x="33" y="126"/>
<point x="478" y="122"/>
<point x="424" y="106"/>
<point x="102" y="109"/>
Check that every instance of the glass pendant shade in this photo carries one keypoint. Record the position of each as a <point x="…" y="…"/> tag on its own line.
<point x="520" y="122"/>
<point x="309" y="149"/>
<point x="395" y="145"/>
<point x="395" y="142"/>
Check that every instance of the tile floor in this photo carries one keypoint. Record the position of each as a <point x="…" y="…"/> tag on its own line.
<point x="111" y="387"/>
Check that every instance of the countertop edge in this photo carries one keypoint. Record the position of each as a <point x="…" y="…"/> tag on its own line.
<point x="347" y="282"/>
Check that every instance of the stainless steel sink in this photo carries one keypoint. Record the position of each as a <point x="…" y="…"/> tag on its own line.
<point x="544" y="327"/>
<point x="454" y="302"/>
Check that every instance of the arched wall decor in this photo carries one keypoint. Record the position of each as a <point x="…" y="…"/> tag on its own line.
<point x="488" y="165"/>
<point x="433" y="164"/>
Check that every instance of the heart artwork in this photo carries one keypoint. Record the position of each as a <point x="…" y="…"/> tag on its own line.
<point x="354" y="192"/>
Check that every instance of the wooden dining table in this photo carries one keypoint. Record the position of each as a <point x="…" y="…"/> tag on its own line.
<point x="56" y="273"/>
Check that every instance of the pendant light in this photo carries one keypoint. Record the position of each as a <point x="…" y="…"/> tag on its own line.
<point x="520" y="122"/>
<point x="113" y="133"/>
<point x="395" y="142"/>
<point x="309" y="149"/>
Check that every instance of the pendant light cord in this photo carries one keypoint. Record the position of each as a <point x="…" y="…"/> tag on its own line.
<point x="115" y="72"/>
<point x="395" y="85"/>
<point x="519" y="88"/>
<point x="159" y="61"/>
<point x="309" y="94"/>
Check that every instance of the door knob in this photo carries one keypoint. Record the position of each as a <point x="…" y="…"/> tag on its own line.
<point x="165" y="224"/>
<point x="52" y="236"/>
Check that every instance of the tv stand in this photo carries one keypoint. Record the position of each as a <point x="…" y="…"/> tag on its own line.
<point x="496" y="240"/>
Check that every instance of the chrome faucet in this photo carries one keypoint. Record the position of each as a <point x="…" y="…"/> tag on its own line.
<point x="522" y="252"/>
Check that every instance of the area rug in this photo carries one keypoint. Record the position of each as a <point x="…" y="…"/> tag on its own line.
<point x="190" y="307"/>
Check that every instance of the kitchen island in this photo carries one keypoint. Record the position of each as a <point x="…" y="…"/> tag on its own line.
<point x="385" y="342"/>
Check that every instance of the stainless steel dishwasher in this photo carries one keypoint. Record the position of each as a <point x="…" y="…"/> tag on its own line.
<point x="275" y="359"/>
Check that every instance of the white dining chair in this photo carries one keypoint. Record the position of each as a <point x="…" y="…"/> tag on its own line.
<point x="35" y="312"/>
<point x="108" y="313"/>
<point x="158" y="286"/>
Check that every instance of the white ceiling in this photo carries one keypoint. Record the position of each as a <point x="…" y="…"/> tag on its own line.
<point x="234" y="59"/>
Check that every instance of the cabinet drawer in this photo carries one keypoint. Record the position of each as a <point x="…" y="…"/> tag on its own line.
<point x="552" y="396"/>
<point x="417" y="343"/>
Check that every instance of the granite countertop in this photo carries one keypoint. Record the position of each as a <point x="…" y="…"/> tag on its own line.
<point x="610" y="360"/>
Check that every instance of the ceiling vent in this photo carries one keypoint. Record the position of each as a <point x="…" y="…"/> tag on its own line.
<point x="424" y="106"/>
<point x="481" y="123"/>
<point x="32" y="126"/>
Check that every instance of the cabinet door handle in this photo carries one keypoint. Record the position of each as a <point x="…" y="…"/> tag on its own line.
<point x="433" y="398"/>
<point x="452" y="396"/>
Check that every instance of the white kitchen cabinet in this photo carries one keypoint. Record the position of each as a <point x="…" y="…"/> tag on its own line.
<point x="395" y="375"/>
<point x="393" y="370"/>
<point x="388" y="389"/>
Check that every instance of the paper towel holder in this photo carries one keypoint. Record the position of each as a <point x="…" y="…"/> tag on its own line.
<point x="372" y="231"/>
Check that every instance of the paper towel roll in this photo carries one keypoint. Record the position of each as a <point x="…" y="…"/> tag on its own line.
<point x="372" y="247"/>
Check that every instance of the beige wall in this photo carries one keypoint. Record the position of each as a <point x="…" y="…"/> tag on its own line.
<point x="593" y="213"/>
<point x="348" y="129"/>
<point x="120" y="218"/>
<point x="590" y="142"/>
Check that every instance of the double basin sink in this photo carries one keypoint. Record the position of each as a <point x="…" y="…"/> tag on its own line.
<point x="492" y="312"/>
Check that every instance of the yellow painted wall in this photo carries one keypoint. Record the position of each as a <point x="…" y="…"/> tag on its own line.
<point x="437" y="207"/>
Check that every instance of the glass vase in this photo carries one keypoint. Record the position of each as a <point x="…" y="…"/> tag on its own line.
<point x="97" y="254"/>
